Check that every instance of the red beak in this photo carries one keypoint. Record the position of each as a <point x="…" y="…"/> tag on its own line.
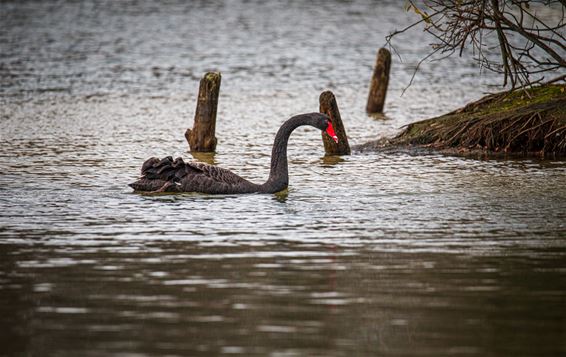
<point x="331" y="133"/>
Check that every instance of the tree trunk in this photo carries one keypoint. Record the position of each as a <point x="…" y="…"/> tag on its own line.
<point x="379" y="82"/>
<point x="329" y="107"/>
<point x="202" y="137"/>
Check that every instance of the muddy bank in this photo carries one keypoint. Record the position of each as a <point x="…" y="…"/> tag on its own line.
<point x="523" y="122"/>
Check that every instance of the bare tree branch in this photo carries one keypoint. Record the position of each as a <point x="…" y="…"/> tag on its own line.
<point x="527" y="43"/>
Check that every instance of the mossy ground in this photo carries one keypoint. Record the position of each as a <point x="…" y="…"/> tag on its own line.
<point x="526" y="121"/>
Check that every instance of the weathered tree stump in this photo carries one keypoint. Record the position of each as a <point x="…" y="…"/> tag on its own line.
<point x="379" y="82"/>
<point x="202" y="137"/>
<point x="329" y="107"/>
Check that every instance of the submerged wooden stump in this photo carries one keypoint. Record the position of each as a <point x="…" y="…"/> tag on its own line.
<point x="202" y="137"/>
<point x="329" y="107"/>
<point x="379" y="82"/>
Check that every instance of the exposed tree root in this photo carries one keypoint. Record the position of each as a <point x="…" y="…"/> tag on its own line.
<point x="517" y="122"/>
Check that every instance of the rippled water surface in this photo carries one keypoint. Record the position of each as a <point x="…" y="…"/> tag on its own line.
<point x="368" y="254"/>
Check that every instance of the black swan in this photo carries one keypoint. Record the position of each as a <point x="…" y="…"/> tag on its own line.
<point x="168" y="175"/>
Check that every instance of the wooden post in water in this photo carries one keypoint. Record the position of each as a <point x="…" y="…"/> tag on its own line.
<point x="329" y="107"/>
<point x="379" y="82"/>
<point x="201" y="138"/>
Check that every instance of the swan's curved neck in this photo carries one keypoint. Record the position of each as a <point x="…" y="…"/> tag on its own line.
<point x="279" y="174"/>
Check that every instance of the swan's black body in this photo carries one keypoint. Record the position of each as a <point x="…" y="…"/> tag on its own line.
<point x="168" y="175"/>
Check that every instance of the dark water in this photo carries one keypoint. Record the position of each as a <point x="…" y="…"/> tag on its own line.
<point x="369" y="254"/>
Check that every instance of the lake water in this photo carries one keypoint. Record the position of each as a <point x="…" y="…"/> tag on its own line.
<point x="384" y="254"/>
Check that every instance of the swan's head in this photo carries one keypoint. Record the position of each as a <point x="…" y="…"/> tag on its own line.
<point x="324" y="123"/>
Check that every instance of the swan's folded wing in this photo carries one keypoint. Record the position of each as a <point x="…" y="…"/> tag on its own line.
<point x="165" y="169"/>
<point x="176" y="175"/>
<point x="216" y="173"/>
<point x="212" y="179"/>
